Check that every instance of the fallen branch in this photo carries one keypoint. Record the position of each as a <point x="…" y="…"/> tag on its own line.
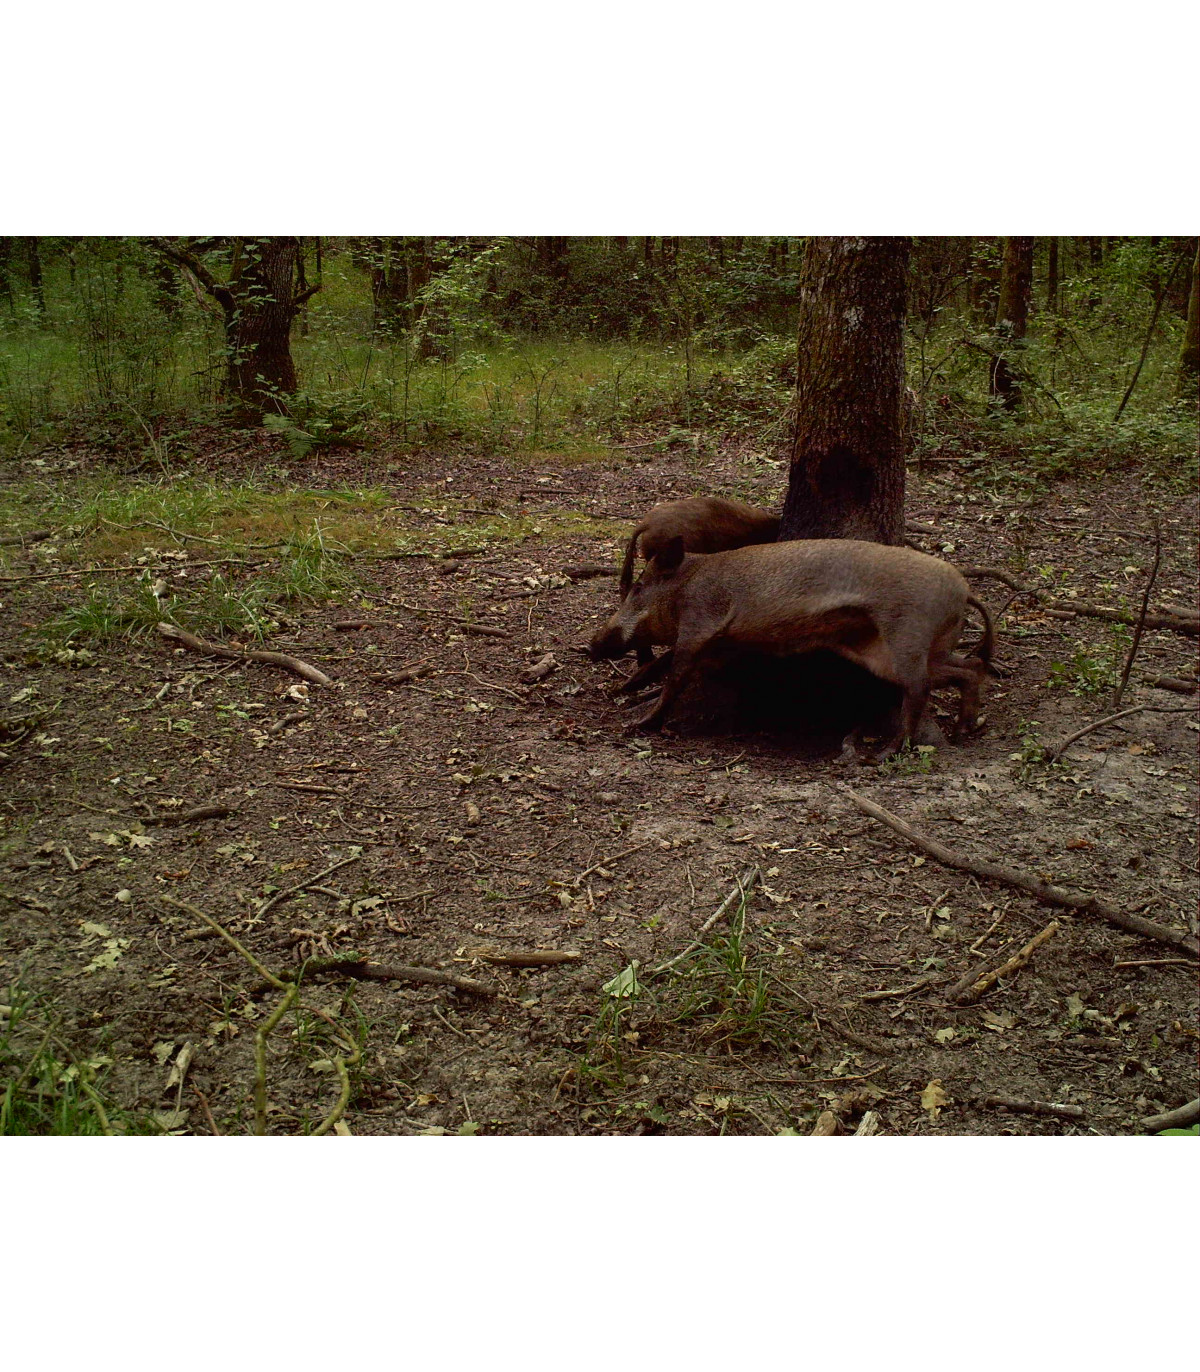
<point x="532" y="957"/>
<point x="406" y="674"/>
<point x="37" y="536"/>
<point x="421" y="976"/>
<point x="587" y="571"/>
<point x="198" y="645"/>
<point x="483" y="630"/>
<point x="1013" y="964"/>
<point x="1162" y="619"/>
<point x="281" y="724"/>
<point x="1175" y="683"/>
<point x="745" y="884"/>
<point x="608" y="862"/>
<point x="128" y="567"/>
<point x="1040" y="890"/>
<point x="1034" y="1107"/>
<point x="540" y="670"/>
<point x="868" y="1126"/>
<point x="1056" y="753"/>
<point x="1183" y="1118"/>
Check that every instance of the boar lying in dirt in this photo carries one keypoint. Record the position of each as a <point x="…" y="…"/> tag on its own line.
<point x="704" y="523"/>
<point x="894" y="611"/>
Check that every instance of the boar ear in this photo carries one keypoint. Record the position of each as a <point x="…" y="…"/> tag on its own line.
<point x="671" y="556"/>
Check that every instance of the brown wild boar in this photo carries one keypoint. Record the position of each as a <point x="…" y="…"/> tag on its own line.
<point x="705" y="523"/>
<point x="894" y="611"/>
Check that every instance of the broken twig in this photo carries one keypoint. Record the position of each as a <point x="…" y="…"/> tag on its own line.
<point x="200" y="645"/>
<point x="1034" y="1107"/>
<point x="1013" y="964"/>
<point x="530" y="957"/>
<point x="745" y="884"/>
<point x="1141" y="622"/>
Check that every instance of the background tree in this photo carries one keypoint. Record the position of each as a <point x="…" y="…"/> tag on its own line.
<point x="262" y="290"/>
<point x="1189" y="356"/>
<point x="1012" y="318"/>
<point x="847" y="463"/>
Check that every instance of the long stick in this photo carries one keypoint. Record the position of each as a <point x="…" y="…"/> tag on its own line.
<point x="1141" y="624"/>
<point x="1165" y="619"/>
<point x="284" y="660"/>
<point x="1026" y="881"/>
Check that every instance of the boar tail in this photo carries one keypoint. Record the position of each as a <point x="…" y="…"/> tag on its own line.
<point x="986" y="645"/>
<point x="627" y="566"/>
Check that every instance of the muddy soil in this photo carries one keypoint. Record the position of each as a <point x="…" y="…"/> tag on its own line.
<point x="480" y="812"/>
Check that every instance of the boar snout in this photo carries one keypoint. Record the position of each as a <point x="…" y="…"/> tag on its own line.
<point x="610" y="641"/>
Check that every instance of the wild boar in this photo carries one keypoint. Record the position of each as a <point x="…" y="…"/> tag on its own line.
<point x="704" y="523"/>
<point x="896" y="612"/>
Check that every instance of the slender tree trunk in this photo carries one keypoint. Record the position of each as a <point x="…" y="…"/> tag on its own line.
<point x="1189" y="357"/>
<point x="6" y="250"/>
<point x="1052" y="277"/>
<point x="1012" y="316"/>
<point x="34" y="258"/>
<point x="648" y="251"/>
<point x="847" y="468"/>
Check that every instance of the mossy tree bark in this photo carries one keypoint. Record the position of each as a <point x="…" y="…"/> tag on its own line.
<point x="1012" y="317"/>
<point x="847" y="467"/>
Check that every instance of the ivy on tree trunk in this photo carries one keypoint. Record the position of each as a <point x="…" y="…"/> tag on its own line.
<point x="258" y="301"/>
<point x="847" y="468"/>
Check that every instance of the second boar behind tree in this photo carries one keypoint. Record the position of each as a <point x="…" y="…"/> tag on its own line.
<point x="704" y="524"/>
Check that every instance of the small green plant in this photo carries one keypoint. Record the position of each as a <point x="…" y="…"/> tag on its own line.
<point x="47" y="1088"/>
<point x="1032" y="751"/>
<point x="1083" y="674"/>
<point x="910" y="761"/>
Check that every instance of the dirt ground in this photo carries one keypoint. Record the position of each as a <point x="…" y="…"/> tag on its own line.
<point x="474" y="811"/>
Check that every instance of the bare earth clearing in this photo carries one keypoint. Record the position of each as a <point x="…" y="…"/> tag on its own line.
<point x="484" y="813"/>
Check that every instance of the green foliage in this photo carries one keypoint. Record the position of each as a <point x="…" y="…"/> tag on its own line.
<point x="509" y="343"/>
<point x="308" y="570"/>
<point x="44" y="1087"/>
<point x="911" y="760"/>
<point x="1085" y="674"/>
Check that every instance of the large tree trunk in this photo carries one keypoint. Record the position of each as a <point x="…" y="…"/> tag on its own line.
<point x="847" y="469"/>
<point x="258" y="324"/>
<point x="1012" y="316"/>
<point x="1189" y="357"/>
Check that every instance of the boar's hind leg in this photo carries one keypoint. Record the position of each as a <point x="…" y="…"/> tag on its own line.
<point x="967" y="674"/>
<point x="648" y="673"/>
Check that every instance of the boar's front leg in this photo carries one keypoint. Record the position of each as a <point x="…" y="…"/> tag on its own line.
<point x="652" y="671"/>
<point x="683" y="661"/>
